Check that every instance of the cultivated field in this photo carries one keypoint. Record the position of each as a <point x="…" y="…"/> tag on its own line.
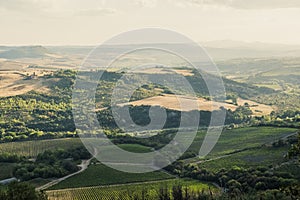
<point x="239" y="139"/>
<point x="185" y="103"/>
<point x="13" y="73"/>
<point x="149" y="190"/>
<point x="14" y="83"/>
<point x="33" y="148"/>
<point x="99" y="174"/>
<point x="264" y="157"/>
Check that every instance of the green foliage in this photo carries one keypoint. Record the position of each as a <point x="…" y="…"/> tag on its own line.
<point x="50" y="164"/>
<point x="37" y="115"/>
<point x="21" y="191"/>
<point x="232" y="97"/>
<point x="6" y="170"/>
<point x="295" y="149"/>
<point x="140" y="115"/>
<point x="238" y="181"/>
<point x="40" y="116"/>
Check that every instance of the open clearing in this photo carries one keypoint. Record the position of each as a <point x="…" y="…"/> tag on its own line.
<point x="15" y="83"/>
<point x="185" y="103"/>
<point x="13" y="73"/>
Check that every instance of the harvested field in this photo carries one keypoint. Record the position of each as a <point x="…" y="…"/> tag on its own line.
<point x="15" y="83"/>
<point x="174" y="102"/>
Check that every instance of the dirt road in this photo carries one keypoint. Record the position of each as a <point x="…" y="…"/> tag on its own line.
<point x="83" y="166"/>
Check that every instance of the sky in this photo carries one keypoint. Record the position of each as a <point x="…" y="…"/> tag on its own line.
<point x="90" y="22"/>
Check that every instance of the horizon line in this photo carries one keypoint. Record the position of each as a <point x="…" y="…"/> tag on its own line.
<point x="93" y="45"/>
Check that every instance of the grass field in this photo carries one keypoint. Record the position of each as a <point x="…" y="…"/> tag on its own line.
<point x="136" y="148"/>
<point x="99" y="174"/>
<point x="13" y="83"/>
<point x="242" y="138"/>
<point x="33" y="148"/>
<point x="150" y="190"/>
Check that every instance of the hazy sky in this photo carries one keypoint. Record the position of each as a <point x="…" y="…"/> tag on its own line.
<point x="59" y="22"/>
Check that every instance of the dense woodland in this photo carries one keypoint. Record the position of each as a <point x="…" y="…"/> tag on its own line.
<point x="22" y="191"/>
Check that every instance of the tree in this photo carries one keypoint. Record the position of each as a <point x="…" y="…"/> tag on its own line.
<point x="295" y="149"/>
<point x="177" y="192"/>
<point x="22" y="191"/>
<point x="163" y="193"/>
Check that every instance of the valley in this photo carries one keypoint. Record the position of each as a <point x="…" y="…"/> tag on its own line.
<point x="41" y="145"/>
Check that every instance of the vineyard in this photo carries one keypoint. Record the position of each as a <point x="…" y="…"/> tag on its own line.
<point x="230" y="140"/>
<point x="256" y="157"/>
<point x="99" y="174"/>
<point x="242" y="138"/>
<point x="148" y="190"/>
<point x="33" y="148"/>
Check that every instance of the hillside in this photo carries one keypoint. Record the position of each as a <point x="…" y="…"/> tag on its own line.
<point x="26" y="52"/>
<point x="217" y="50"/>
<point x="173" y="102"/>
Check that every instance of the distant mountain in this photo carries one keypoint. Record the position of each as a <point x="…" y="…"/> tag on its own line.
<point x="229" y="49"/>
<point x="232" y="44"/>
<point x="218" y="50"/>
<point x="71" y="50"/>
<point x="6" y="48"/>
<point x="26" y="52"/>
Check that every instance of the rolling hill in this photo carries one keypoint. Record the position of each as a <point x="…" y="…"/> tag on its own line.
<point x="26" y="52"/>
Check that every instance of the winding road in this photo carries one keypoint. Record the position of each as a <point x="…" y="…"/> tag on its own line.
<point x="83" y="166"/>
<point x="85" y="163"/>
